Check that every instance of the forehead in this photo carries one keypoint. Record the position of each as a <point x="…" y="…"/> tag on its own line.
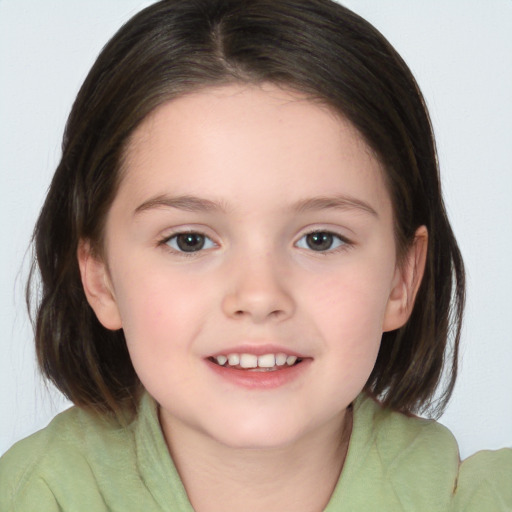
<point x="241" y="140"/>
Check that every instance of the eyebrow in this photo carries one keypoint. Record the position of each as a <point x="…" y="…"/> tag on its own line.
<point x="335" y="203"/>
<point x="187" y="203"/>
<point x="197" y="204"/>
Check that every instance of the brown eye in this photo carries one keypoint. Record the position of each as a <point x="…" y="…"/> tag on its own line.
<point x="189" y="242"/>
<point x="321" y="241"/>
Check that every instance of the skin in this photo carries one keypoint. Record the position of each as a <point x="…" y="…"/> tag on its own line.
<point x="265" y="167"/>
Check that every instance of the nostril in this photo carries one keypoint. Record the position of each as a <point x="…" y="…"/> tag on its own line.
<point x="272" y="314"/>
<point x="259" y="306"/>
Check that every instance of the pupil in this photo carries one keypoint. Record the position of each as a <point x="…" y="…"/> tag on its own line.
<point x="319" y="241"/>
<point x="190" y="242"/>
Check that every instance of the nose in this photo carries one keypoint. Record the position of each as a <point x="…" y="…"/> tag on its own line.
<point x="257" y="291"/>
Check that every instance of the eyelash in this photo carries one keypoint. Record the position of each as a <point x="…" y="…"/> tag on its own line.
<point x="341" y="242"/>
<point x="167" y="243"/>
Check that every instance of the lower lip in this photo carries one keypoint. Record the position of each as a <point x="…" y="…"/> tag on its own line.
<point x="260" y="380"/>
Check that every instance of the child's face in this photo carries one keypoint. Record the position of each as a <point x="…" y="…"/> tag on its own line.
<point x="250" y="174"/>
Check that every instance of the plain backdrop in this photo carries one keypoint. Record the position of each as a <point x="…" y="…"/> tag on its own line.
<point x="461" y="54"/>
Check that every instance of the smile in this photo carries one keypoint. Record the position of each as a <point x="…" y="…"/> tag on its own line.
<point x="263" y="363"/>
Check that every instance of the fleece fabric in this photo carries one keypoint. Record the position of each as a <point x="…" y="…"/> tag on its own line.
<point x="83" y="463"/>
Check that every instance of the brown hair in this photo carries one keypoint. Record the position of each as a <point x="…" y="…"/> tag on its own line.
<point x="173" y="47"/>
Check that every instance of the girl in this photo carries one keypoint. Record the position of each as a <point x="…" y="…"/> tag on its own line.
<point x="248" y="277"/>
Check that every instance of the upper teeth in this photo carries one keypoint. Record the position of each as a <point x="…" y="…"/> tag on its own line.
<point x="253" y="361"/>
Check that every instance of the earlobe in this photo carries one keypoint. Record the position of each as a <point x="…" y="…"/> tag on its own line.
<point x="406" y="283"/>
<point x="97" y="287"/>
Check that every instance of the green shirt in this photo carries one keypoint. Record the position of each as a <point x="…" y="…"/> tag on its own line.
<point x="83" y="463"/>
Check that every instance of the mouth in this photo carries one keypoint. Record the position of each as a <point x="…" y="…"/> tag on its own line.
<point x="250" y="362"/>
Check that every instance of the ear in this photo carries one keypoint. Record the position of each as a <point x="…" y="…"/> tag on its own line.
<point x="97" y="286"/>
<point x="406" y="282"/>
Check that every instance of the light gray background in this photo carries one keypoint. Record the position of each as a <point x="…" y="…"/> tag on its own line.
<point x="461" y="54"/>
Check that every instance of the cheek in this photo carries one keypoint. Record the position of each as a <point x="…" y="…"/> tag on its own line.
<point x="158" y="310"/>
<point x="348" y="311"/>
<point x="159" y="326"/>
<point x="349" y="323"/>
<point x="354" y="298"/>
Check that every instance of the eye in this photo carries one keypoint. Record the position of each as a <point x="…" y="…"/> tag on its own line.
<point x="321" y="241"/>
<point x="189" y="242"/>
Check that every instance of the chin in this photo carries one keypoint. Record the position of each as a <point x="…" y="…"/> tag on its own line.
<point x="258" y="435"/>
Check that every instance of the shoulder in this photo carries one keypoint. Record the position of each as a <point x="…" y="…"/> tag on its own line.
<point x="418" y="458"/>
<point x="485" y="482"/>
<point x="414" y="465"/>
<point x="84" y="462"/>
<point x="58" y="459"/>
<point x="407" y="439"/>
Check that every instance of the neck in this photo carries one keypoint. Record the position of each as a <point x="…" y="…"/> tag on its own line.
<point x="300" y="476"/>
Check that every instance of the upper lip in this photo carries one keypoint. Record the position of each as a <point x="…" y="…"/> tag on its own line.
<point x="258" y="350"/>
